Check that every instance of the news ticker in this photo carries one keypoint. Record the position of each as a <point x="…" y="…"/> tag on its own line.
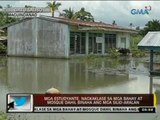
<point x="81" y="103"/>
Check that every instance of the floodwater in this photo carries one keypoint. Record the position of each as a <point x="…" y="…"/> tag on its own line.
<point x="35" y="75"/>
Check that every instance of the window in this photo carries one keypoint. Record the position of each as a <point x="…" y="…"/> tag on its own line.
<point x="123" y="42"/>
<point x="93" y="46"/>
<point x="110" y="41"/>
<point x="77" y="42"/>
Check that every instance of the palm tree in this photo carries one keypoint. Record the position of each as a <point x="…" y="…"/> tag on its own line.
<point x="53" y="6"/>
<point x="153" y="25"/>
<point x="84" y="15"/>
<point x="68" y="13"/>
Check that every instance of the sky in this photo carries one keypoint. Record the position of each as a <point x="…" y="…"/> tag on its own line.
<point x="105" y="11"/>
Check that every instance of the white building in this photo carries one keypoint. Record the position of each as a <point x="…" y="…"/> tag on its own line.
<point x="59" y="37"/>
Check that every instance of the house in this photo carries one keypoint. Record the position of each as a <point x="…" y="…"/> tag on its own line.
<point x="61" y="38"/>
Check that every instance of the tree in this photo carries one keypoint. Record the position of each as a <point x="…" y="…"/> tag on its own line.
<point x="1" y="7"/>
<point x="4" y="18"/>
<point x="68" y="13"/>
<point x="84" y="15"/>
<point x="153" y="25"/>
<point x="53" y="6"/>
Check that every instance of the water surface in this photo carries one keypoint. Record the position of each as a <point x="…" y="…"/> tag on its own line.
<point x="35" y="75"/>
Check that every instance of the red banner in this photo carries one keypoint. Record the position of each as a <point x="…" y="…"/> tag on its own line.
<point x="93" y="100"/>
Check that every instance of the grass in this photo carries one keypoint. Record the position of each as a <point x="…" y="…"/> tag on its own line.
<point x="138" y="53"/>
<point x="3" y="116"/>
<point x="113" y="53"/>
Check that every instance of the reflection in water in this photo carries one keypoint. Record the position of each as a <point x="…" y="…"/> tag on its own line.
<point x="151" y="85"/>
<point x="37" y="75"/>
<point x="81" y="78"/>
<point x="31" y="75"/>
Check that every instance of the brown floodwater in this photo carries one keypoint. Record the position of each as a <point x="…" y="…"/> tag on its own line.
<point x="84" y="75"/>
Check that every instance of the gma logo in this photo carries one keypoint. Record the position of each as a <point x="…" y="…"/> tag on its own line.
<point x="144" y="11"/>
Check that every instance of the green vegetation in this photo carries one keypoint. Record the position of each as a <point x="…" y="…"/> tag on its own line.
<point x="3" y="49"/>
<point x="138" y="53"/>
<point x="113" y="53"/>
<point x="82" y="14"/>
<point x="153" y="25"/>
<point x="4" y="18"/>
<point x="95" y="61"/>
<point x="92" y="60"/>
<point x="3" y="116"/>
<point x="53" y="6"/>
<point x="135" y="39"/>
<point x="68" y="13"/>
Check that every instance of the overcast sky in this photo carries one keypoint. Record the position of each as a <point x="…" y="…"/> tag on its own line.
<point x="105" y="11"/>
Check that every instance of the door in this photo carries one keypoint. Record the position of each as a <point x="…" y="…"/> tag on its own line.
<point x="99" y="48"/>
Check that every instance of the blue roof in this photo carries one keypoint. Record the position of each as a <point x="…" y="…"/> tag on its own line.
<point x="150" y="41"/>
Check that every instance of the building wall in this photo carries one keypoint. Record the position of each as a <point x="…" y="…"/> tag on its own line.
<point x="52" y="39"/>
<point x="21" y="39"/>
<point x="120" y="44"/>
<point x="41" y="37"/>
<point x="38" y="38"/>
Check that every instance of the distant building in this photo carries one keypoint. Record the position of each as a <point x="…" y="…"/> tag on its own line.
<point x="60" y="38"/>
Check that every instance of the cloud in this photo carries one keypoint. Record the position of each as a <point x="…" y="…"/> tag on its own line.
<point x="105" y="11"/>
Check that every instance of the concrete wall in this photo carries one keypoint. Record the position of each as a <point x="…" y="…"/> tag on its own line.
<point x="38" y="38"/>
<point x="52" y="39"/>
<point x="119" y="43"/>
<point x="21" y="38"/>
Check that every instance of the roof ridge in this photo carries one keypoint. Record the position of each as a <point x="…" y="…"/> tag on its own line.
<point x="77" y="20"/>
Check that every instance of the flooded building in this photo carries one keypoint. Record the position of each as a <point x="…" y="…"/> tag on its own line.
<point x="60" y="38"/>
